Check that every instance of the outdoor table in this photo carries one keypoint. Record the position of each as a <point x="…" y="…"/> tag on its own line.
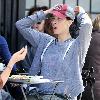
<point x="26" y="79"/>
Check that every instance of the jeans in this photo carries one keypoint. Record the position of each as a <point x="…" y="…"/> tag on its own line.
<point x="47" y="97"/>
<point x="5" y="95"/>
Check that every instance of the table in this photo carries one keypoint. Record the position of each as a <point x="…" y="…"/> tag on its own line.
<point x="25" y="79"/>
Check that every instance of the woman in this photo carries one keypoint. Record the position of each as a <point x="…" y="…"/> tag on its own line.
<point x="20" y="55"/>
<point x="59" y="58"/>
<point x="93" y="56"/>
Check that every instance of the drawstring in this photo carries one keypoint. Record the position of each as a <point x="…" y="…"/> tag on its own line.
<point x="46" y="49"/>
<point x="67" y="49"/>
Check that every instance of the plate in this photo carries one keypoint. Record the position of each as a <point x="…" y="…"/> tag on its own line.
<point x="31" y="79"/>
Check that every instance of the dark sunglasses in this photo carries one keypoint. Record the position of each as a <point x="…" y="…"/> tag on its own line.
<point x="38" y="22"/>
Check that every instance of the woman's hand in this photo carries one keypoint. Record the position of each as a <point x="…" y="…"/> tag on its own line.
<point x="78" y="10"/>
<point x="57" y="6"/>
<point x="20" y="55"/>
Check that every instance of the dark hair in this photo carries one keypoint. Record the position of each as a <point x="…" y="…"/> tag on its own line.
<point x="47" y="26"/>
<point x="36" y="8"/>
<point x="74" y="28"/>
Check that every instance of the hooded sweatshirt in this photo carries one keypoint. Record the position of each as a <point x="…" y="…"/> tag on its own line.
<point x="58" y="60"/>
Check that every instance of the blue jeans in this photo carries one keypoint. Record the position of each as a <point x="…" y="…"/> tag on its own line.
<point x="5" y="95"/>
<point x="47" y="97"/>
<point x="54" y="97"/>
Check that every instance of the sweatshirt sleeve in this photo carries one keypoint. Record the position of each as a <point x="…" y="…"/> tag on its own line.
<point x="4" y="52"/>
<point x="84" y="38"/>
<point x="24" y="27"/>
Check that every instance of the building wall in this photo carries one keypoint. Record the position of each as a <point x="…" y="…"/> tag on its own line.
<point x="11" y="11"/>
<point x="91" y="6"/>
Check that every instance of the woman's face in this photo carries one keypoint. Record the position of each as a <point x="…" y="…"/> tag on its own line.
<point x="59" y="25"/>
<point x="39" y="26"/>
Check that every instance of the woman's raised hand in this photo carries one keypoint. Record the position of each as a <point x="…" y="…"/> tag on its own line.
<point x="20" y="55"/>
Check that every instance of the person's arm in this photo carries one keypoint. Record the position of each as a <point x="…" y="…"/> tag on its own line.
<point x="31" y="35"/>
<point x="20" y="55"/>
<point x="5" y="53"/>
<point x="4" y="50"/>
<point x="85" y="30"/>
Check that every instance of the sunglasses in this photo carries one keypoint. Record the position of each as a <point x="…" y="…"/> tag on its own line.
<point x="38" y="22"/>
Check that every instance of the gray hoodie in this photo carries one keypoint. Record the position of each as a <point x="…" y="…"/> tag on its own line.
<point x="54" y="59"/>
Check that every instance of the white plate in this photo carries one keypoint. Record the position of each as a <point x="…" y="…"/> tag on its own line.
<point x="31" y="79"/>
